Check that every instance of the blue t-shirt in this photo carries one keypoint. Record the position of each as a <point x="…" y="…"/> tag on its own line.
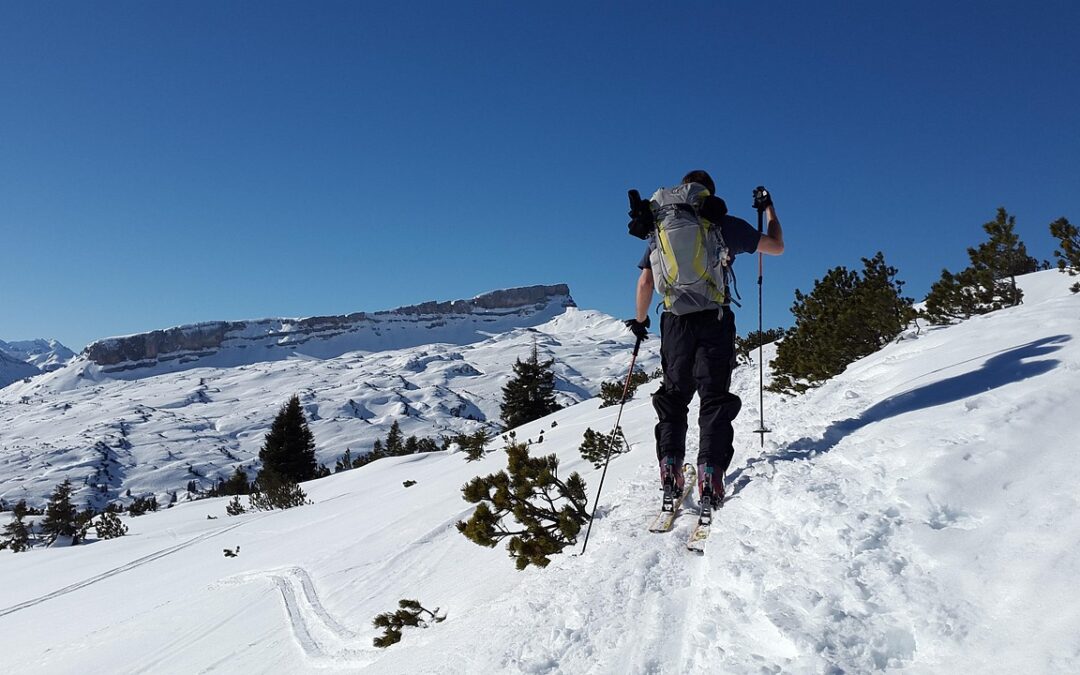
<point x="739" y="235"/>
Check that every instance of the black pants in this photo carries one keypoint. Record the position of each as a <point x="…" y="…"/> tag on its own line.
<point x="697" y="353"/>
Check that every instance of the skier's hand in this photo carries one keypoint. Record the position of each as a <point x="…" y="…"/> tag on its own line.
<point x="762" y="198"/>
<point x="640" y="329"/>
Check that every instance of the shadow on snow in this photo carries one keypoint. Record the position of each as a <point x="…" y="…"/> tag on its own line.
<point x="1006" y="367"/>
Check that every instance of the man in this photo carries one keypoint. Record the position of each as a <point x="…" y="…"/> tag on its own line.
<point x="697" y="352"/>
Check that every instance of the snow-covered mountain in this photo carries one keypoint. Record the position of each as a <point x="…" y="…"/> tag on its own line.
<point x="221" y="344"/>
<point x="45" y="355"/>
<point x="916" y="514"/>
<point x="13" y="369"/>
<point x="150" y="413"/>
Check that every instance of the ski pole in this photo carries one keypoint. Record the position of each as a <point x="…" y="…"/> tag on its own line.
<point x="761" y="430"/>
<point x="611" y="441"/>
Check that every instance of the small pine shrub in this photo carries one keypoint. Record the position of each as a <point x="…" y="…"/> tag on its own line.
<point x="276" y="492"/>
<point x="473" y="444"/>
<point x="410" y="614"/>
<point x="596" y="447"/>
<point x="234" y="507"/>
<point x="142" y="505"/>
<point x="109" y="526"/>
<point x="548" y="511"/>
<point x="611" y="393"/>
<point x="754" y="339"/>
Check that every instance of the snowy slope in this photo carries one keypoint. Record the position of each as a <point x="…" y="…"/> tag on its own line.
<point x="45" y="355"/>
<point x="13" y="369"/>
<point x="160" y="430"/>
<point x="918" y="513"/>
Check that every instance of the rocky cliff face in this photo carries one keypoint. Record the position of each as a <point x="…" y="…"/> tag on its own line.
<point x="231" y="343"/>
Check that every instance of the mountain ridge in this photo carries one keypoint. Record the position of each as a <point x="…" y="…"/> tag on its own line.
<point x="206" y="344"/>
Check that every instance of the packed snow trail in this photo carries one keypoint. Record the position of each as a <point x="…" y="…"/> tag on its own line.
<point x="918" y="513"/>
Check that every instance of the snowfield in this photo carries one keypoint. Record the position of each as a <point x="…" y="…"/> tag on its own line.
<point x="919" y="513"/>
<point x="153" y="432"/>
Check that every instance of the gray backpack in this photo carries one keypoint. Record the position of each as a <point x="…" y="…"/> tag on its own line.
<point x="688" y="257"/>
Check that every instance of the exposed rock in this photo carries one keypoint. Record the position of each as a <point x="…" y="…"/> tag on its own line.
<point x="328" y="336"/>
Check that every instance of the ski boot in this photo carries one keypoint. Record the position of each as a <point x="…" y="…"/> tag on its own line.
<point x="710" y="492"/>
<point x="672" y="482"/>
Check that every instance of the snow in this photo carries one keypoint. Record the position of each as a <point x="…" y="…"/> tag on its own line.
<point x="112" y="433"/>
<point x="917" y="513"/>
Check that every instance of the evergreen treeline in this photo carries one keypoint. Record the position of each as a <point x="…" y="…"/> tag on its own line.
<point x="849" y="315"/>
<point x="988" y="283"/>
<point x="845" y="317"/>
<point x="62" y="522"/>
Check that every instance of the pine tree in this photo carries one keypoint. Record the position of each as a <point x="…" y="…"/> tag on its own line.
<point x="473" y="444"/>
<point x="234" y="507"/>
<point x="1068" y="255"/>
<point x="989" y="282"/>
<point x="289" y="448"/>
<point x="847" y="316"/>
<point x="597" y="448"/>
<point x="549" y="511"/>
<point x="345" y="462"/>
<point x="274" y="491"/>
<point x="109" y="526"/>
<point x="611" y="393"/>
<point x="17" y="532"/>
<point x="60" y="515"/>
<point x="411" y="613"/>
<point x="236" y="485"/>
<point x="395" y="440"/>
<point x="530" y="395"/>
<point x="754" y="339"/>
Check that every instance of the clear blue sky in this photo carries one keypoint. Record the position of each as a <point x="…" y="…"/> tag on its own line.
<point x="165" y="163"/>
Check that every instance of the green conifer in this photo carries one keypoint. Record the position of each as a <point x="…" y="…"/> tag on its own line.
<point x="17" y="533"/>
<point x="530" y="394"/>
<point x="596" y="447"/>
<point x="60" y="515"/>
<point x="847" y="316"/>
<point x="410" y="614"/>
<point x="109" y="526"/>
<point x="395" y="441"/>
<point x="1068" y="253"/>
<point x="989" y="282"/>
<point x="549" y="512"/>
<point x="289" y="448"/>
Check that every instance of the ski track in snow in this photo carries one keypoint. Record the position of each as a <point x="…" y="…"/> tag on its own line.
<point x="323" y="639"/>
<point x="134" y="564"/>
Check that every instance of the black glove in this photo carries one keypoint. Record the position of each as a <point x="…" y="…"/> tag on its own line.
<point x="642" y="220"/>
<point x="640" y="329"/>
<point x="762" y="198"/>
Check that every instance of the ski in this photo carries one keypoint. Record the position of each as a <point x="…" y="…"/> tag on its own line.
<point x="673" y="502"/>
<point x="700" y="534"/>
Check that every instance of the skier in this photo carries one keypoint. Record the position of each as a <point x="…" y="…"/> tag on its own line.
<point x="697" y="348"/>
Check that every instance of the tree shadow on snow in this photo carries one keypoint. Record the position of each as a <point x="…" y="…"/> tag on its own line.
<point x="1006" y="367"/>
